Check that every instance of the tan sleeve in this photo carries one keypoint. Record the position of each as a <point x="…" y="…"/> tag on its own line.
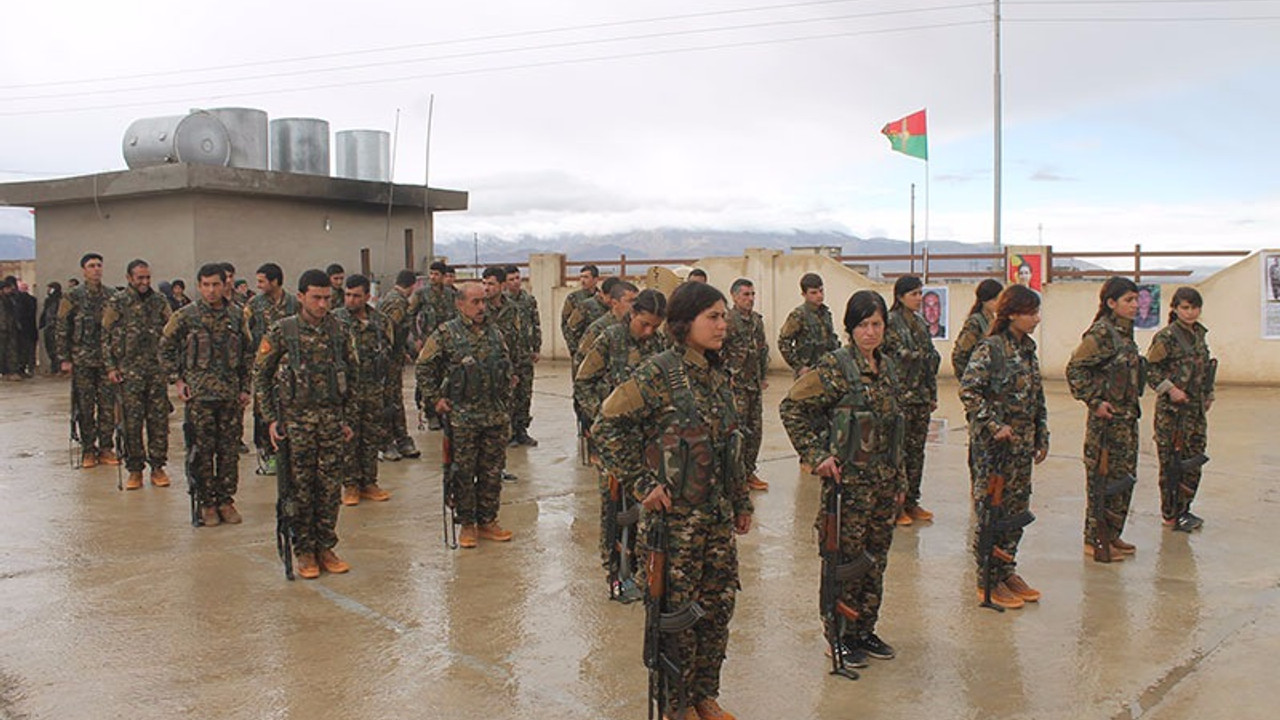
<point x="808" y="386"/>
<point x="624" y="400"/>
<point x="1088" y="348"/>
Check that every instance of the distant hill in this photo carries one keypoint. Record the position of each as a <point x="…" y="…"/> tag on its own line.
<point x="17" y="247"/>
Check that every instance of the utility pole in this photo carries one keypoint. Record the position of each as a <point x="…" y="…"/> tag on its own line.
<point x="997" y="160"/>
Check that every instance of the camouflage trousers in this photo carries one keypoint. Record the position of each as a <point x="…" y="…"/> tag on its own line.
<point x="522" y="398"/>
<point x="367" y="422"/>
<point x="214" y="458"/>
<point x="1120" y="437"/>
<point x="395" y="427"/>
<point x="702" y="567"/>
<point x="1181" y="433"/>
<point x="1015" y="467"/>
<point x="317" y="455"/>
<point x="93" y="401"/>
<point x="866" y="525"/>
<point x="145" y="401"/>
<point x="479" y="455"/>
<point x="916" y="419"/>
<point x="749" y="404"/>
<point x="606" y="542"/>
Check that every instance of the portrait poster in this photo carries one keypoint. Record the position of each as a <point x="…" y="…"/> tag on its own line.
<point x="935" y="311"/>
<point x="1026" y="269"/>
<point x="1271" y="296"/>
<point x="1148" y="317"/>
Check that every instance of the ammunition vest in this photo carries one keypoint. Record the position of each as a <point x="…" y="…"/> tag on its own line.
<point x="474" y="377"/>
<point x="1124" y="375"/>
<point x="307" y="383"/>
<point x="619" y="354"/>
<point x="86" y="329"/>
<point x="857" y="436"/>
<point x="218" y="349"/>
<point x="373" y="362"/>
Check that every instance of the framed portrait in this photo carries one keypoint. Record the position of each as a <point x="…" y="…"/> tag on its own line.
<point x="1148" y="317"/>
<point x="936" y="311"/>
<point x="1026" y="269"/>
<point x="1271" y="296"/>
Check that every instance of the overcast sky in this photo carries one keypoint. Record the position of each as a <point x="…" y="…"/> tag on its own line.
<point x="1141" y="121"/>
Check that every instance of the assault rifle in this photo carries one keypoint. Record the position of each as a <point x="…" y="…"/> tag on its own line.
<point x="449" y="467"/>
<point x="75" y="424"/>
<point x="836" y="614"/>
<point x="189" y="443"/>
<point x="1174" y="485"/>
<point x="994" y="523"/>
<point x="286" y="508"/>
<point x="620" y="518"/>
<point x="666" y="669"/>
<point x="1099" y="491"/>
<point x="117" y="436"/>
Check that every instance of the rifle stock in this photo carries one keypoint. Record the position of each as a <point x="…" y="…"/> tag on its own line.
<point x="837" y="614"/>
<point x="449" y="467"/>
<point x="75" y="423"/>
<point x="666" y="670"/>
<point x="1100" y="489"/>
<point x="189" y="447"/>
<point x="994" y="522"/>
<point x="285" y="531"/>
<point x="1174" y="484"/>
<point x="117" y="436"/>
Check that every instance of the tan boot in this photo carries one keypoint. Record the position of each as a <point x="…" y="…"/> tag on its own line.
<point x="904" y="519"/>
<point x="1001" y="596"/>
<point x="755" y="483"/>
<point x="159" y="477"/>
<point x="306" y="567"/>
<point x="134" y="481"/>
<point x="1116" y="556"/>
<point x="350" y="495"/>
<point x="1019" y="587"/>
<point x="107" y="457"/>
<point x="919" y="514"/>
<point x="209" y="516"/>
<point x="229" y="514"/>
<point x="493" y="531"/>
<point x="467" y="536"/>
<point x="89" y="460"/>
<point x="374" y="493"/>
<point x="1123" y="547"/>
<point x="709" y="709"/>
<point x="330" y="561"/>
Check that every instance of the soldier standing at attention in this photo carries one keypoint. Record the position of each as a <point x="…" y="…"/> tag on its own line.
<point x="1105" y="374"/>
<point x="855" y="390"/>
<point x="522" y="397"/>
<point x="337" y="277"/>
<point x="432" y="306"/>
<point x="581" y="308"/>
<point x="80" y="347"/>
<point x="974" y="330"/>
<point x="237" y="304"/>
<point x="370" y="335"/>
<point x="1003" y="397"/>
<point x="746" y="357"/>
<point x="808" y="334"/>
<point x="916" y="361"/>
<point x="395" y="305"/>
<point x="680" y="396"/>
<point x="206" y="347"/>
<point x="132" y="326"/>
<point x="1181" y="372"/>
<point x="301" y="381"/>
<point x="464" y="372"/>
<point x="261" y="312"/>
<point x="620" y="294"/>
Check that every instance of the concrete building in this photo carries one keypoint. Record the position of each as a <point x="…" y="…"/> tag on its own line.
<point x="179" y="216"/>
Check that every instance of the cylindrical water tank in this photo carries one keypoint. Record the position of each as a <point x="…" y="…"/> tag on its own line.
<point x="363" y="154"/>
<point x="247" y="128"/>
<point x="196" y="138"/>
<point x="300" y="145"/>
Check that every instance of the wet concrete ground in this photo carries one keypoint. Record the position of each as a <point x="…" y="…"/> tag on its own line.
<point x="113" y="606"/>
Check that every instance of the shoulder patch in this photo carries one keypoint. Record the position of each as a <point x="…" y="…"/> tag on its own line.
<point x="1088" y="348"/>
<point x="171" y="327"/>
<point x="790" y="327"/>
<point x="592" y="364"/>
<point x="808" y="386"/>
<point x="624" y="400"/>
<point x="109" y="316"/>
<point x="429" y="348"/>
<point x="264" y="348"/>
<point x="1158" y="350"/>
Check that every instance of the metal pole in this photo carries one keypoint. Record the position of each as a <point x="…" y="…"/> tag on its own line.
<point x="428" y="227"/>
<point x="913" y="228"/>
<point x="391" y="194"/>
<point x="998" y="113"/>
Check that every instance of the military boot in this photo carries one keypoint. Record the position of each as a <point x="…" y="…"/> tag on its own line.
<point x="159" y="477"/>
<point x="709" y="709"/>
<point x="389" y="454"/>
<point x="375" y="493"/>
<point x="350" y="495"/>
<point x="493" y="531"/>
<point x="1019" y="587"/>
<point x="229" y="514"/>
<point x="134" y="481"/>
<point x="1118" y="545"/>
<point x="467" y="536"/>
<point x="209" y="516"/>
<point x="331" y="563"/>
<point x="108" y="457"/>
<point x="407" y="448"/>
<point x="1002" y="596"/>
<point x="755" y="483"/>
<point x="89" y="459"/>
<point x="306" y="566"/>
<point x="1116" y="556"/>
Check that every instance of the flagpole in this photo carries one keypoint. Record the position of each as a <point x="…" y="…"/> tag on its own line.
<point x="913" y="228"/>
<point x="997" y="138"/>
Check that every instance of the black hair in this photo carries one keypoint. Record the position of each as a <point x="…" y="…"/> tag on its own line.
<point x="698" y="272"/>
<point x="84" y="259"/>
<point x="56" y="286"/>
<point x="862" y="305"/>
<point x="496" y="272"/>
<point x="228" y="268"/>
<point x="688" y="301"/>
<point x="608" y="284"/>
<point x="406" y="278"/>
<point x="650" y="301"/>
<point x="333" y="269"/>
<point x="1184" y="294"/>
<point x="178" y="282"/>
<point x="510" y="269"/>
<point x="595" y="271"/>
<point x="211" y="270"/>
<point x="439" y="266"/>
<point x="739" y="284"/>
<point x="1014" y="300"/>
<point x="902" y="286"/>
<point x="1114" y="288"/>
<point x="987" y="290"/>
<point x="810" y="281"/>
<point x="134" y="265"/>
<point x="313" y="278"/>
<point x="272" y="273"/>
<point x="620" y="288"/>
<point x="450" y="270"/>
<point x="358" y="281"/>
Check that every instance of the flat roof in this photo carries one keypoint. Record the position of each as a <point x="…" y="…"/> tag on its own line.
<point x="176" y="178"/>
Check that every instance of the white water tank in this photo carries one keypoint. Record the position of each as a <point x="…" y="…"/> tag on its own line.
<point x="247" y="128"/>
<point x="198" y="137"/>
<point x="363" y="155"/>
<point x="300" y="145"/>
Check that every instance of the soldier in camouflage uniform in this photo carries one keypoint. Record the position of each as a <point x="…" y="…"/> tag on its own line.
<point x="8" y="332"/>
<point x="621" y="294"/>
<point x="808" y="334"/>
<point x="395" y="305"/>
<point x="746" y="357"/>
<point x="132" y="325"/>
<point x="431" y="306"/>
<point x="80" y="346"/>
<point x="907" y="341"/>
<point x="371" y="337"/>
<point x="975" y="328"/>
<point x="1181" y="371"/>
<point x="611" y="360"/>
<point x="337" y="276"/>
<point x="206" y="347"/>
<point x="261" y="312"/>
<point x="581" y="308"/>
<point x="522" y="397"/>
<point x="464" y="372"/>
<point x="1105" y="373"/>
<point x="301" y="378"/>
<point x="236" y="303"/>
<point x="1008" y="429"/>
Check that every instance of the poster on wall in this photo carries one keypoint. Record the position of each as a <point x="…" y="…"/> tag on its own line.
<point x="1025" y="269"/>
<point x="1148" y="317"/>
<point x="1271" y="296"/>
<point x="935" y="310"/>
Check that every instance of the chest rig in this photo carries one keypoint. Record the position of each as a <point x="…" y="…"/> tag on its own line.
<point x="859" y="435"/>
<point x="309" y="383"/>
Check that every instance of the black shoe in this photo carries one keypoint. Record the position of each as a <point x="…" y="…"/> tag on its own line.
<point x="875" y="647"/>
<point x="854" y="656"/>
<point x="407" y="448"/>
<point x="527" y="441"/>
<point x="1187" y="522"/>
<point x="513" y="442"/>
<point x="509" y="477"/>
<point x="244" y="449"/>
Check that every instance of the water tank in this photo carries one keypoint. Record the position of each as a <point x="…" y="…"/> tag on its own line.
<point x="195" y="138"/>
<point x="363" y="155"/>
<point x="300" y="145"/>
<point x="247" y="128"/>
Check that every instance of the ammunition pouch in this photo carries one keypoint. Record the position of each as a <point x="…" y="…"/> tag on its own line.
<point x="685" y="459"/>
<point x="681" y="619"/>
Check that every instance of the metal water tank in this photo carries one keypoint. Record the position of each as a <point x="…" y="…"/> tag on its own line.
<point x="300" y="145"/>
<point x="195" y="138"/>
<point x="247" y="128"/>
<point x="363" y="155"/>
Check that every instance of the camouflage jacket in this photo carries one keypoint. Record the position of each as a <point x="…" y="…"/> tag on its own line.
<point x="1179" y="357"/>
<point x="593" y="331"/>
<point x="371" y="341"/>
<point x="209" y="350"/>
<point x="303" y="369"/>
<point x="639" y="414"/>
<point x="430" y="307"/>
<point x="1001" y="385"/>
<point x="975" y="328"/>
<point x="467" y="363"/>
<point x="907" y="342"/>
<point x="395" y="306"/>
<point x="825" y="405"/>
<point x="132" y="326"/>
<point x="578" y="316"/>
<point x="610" y="360"/>
<point x="528" y="305"/>
<point x="260" y="313"/>
<point x="745" y="350"/>
<point x="80" y="324"/>
<point x="1107" y="367"/>
<point x="509" y="318"/>
<point x="337" y="297"/>
<point x="806" y="336"/>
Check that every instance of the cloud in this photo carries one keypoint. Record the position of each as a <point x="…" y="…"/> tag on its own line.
<point x="1049" y="175"/>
